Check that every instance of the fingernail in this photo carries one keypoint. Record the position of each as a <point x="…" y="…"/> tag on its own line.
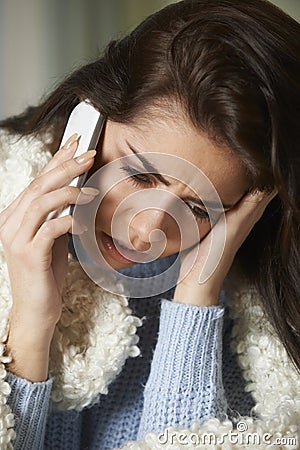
<point x="90" y="191"/>
<point x="72" y="139"/>
<point x="87" y="194"/>
<point x="78" y="228"/>
<point x="72" y="145"/>
<point x="86" y="157"/>
<point x="257" y="193"/>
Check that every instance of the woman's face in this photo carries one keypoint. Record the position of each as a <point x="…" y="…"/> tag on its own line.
<point x="175" y="138"/>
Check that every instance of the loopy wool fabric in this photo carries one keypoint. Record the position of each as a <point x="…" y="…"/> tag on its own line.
<point x="93" y="339"/>
<point x="97" y="333"/>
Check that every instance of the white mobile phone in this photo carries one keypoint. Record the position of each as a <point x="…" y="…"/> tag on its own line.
<point x="88" y="123"/>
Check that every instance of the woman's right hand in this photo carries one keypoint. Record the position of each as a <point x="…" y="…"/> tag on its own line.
<point x="37" y="255"/>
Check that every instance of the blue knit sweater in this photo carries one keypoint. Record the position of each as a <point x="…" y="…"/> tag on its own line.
<point x="186" y="372"/>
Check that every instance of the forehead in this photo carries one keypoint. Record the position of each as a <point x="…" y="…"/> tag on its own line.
<point x="178" y="139"/>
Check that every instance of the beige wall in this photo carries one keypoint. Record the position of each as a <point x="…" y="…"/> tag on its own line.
<point x="42" y="40"/>
<point x="292" y="7"/>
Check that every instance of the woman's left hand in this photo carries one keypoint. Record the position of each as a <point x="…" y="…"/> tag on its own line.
<point x="239" y="222"/>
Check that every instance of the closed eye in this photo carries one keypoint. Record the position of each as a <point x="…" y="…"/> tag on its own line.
<point x="139" y="179"/>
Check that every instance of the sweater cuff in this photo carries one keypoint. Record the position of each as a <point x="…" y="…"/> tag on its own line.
<point x="185" y="381"/>
<point x="189" y="344"/>
<point x="30" y="404"/>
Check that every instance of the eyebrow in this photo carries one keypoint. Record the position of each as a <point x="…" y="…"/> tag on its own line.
<point x="151" y="169"/>
<point x="148" y="166"/>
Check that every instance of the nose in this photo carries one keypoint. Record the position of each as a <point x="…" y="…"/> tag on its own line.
<point x="144" y="223"/>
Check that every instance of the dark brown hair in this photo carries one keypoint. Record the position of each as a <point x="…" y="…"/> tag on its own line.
<point x="233" y="66"/>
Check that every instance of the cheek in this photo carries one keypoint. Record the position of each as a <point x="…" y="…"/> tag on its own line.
<point x="204" y="229"/>
<point x="109" y="204"/>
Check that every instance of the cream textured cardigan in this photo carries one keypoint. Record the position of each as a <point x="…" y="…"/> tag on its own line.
<point x="97" y="340"/>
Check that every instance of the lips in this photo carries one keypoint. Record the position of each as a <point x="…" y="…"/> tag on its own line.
<point x="115" y="250"/>
<point x="119" y="244"/>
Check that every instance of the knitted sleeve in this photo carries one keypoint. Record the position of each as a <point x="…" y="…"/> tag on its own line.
<point x="36" y="422"/>
<point x="29" y="403"/>
<point x="185" y="381"/>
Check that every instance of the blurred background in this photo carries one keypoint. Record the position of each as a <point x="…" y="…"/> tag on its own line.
<point x="41" y="41"/>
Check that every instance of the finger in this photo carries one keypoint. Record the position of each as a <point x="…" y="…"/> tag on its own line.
<point x="51" y="230"/>
<point x="61" y="175"/>
<point x="229" y="233"/>
<point x="251" y="206"/>
<point x="42" y="206"/>
<point x="51" y="181"/>
<point x="66" y="152"/>
<point x="241" y="219"/>
<point x="258" y="196"/>
<point x="6" y="212"/>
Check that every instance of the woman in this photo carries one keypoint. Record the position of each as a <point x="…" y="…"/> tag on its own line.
<point x="216" y="84"/>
